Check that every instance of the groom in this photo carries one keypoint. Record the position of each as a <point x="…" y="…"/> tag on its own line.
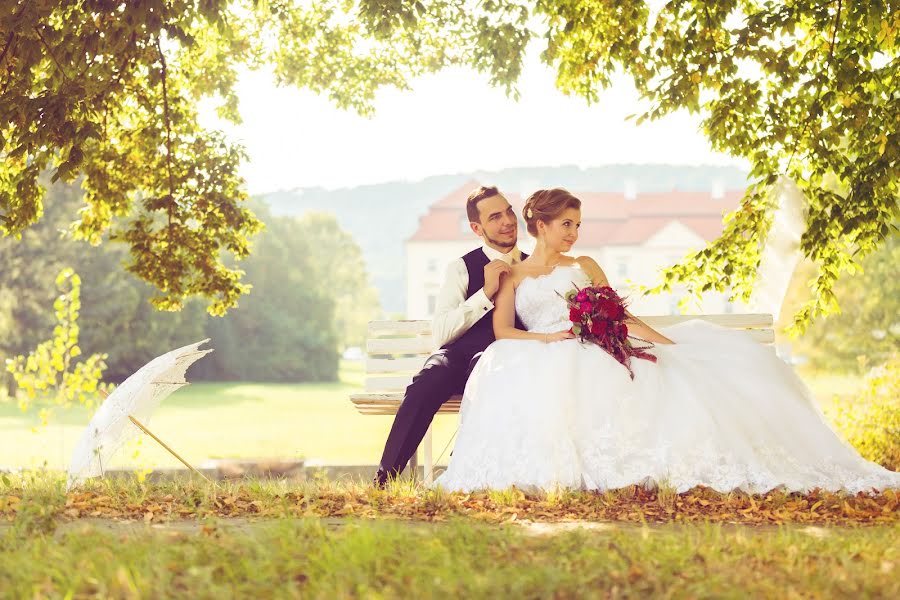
<point x="462" y="326"/>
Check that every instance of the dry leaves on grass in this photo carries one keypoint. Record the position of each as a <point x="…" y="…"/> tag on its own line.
<point x="632" y="504"/>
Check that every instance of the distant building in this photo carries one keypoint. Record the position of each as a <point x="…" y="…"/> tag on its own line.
<point x="631" y="235"/>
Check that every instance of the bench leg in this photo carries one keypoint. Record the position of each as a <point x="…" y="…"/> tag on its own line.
<point x="414" y="465"/>
<point x="426" y="452"/>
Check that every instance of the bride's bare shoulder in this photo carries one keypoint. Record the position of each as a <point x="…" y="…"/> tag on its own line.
<point x="587" y="263"/>
<point x="519" y="272"/>
<point x="592" y="269"/>
<point x="516" y="273"/>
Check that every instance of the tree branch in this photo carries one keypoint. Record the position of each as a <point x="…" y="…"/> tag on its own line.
<point x="12" y="35"/>
<point x="50" y="52"/>
<point x="837" y="22"/>
<point x="168" y="120"/>
<point x="7" y="46"/>
<point x="116" y="79"/>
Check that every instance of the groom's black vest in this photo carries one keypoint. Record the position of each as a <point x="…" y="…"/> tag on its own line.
<point x="481" y="334"/>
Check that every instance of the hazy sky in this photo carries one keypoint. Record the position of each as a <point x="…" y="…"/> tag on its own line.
<point x="450" y="122"/>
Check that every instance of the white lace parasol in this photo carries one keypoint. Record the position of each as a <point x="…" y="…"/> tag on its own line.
<point x="135" y="399"/>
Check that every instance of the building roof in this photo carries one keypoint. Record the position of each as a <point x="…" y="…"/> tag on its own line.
<point x="607" y="218"/>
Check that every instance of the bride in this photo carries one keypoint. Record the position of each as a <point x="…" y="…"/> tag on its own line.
<point x="543" y="410"/>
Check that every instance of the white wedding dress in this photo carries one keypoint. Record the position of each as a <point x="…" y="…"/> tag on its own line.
<point x="718" y="409"/>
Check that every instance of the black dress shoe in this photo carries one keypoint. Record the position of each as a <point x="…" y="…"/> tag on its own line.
<point x="383" y="475"/>
<point x="380" y="480"/>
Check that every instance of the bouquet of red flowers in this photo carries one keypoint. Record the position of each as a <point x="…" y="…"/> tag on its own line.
<point x="598" y="316"/>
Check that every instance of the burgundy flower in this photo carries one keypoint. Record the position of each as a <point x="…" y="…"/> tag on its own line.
<point x="599" y="327"/>
<point x="599" y="313"/>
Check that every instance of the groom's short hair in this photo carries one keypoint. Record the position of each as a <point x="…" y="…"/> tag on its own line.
<point x="477" y="195"/>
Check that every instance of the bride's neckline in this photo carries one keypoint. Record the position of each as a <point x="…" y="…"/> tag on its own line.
<point x="573" y="265"/>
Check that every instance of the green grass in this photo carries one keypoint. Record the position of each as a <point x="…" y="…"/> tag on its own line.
<point x="254" y="420"/>
<point x="825" y="385"/>
<point x="99" y="542"/>
<point x="216" y="420"/>
<point x="314" y="558"/>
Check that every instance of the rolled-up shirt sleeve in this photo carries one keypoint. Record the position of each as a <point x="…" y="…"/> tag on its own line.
<point x="454" y="314"/>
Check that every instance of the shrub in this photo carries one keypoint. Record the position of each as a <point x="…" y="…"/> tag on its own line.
<point x="871" y="422"/>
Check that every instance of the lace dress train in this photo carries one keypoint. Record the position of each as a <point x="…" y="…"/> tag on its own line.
<point x="717" y="409"/>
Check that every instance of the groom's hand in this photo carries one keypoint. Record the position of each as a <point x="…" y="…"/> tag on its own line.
<point x="493" y="272"/>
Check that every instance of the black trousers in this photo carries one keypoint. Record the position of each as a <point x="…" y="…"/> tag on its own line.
<point x="444" y="375"/>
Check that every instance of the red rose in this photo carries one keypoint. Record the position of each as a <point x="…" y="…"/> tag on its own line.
<point x="574" y="315"/>
<point x="582" y="296"/>
<point x="599" y="327"/>
<point x="608" y="308"/>
<point x="586" y="308"/>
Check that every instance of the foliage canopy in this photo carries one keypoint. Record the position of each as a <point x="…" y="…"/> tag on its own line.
<point x="108" y="89"/>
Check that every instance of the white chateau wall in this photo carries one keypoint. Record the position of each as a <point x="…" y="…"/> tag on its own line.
<point x="630" y="267"/>
<point x="426" y="264"/>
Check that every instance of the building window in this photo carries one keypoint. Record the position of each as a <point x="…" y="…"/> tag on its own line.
<point x="623" y="269"/>
<point x="464" y="224"/>
<point x="432" y="265"/>
<point x="432" y="304"/>
<point x="729" y="307"/>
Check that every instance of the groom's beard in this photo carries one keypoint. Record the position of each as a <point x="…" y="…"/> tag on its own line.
<point x="511" y="244"/>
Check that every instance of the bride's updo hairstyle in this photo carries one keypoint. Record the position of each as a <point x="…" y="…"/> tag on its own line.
<point x="546" y="205"/>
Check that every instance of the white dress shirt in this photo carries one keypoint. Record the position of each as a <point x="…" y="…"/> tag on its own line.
<point x="454" y="314"/>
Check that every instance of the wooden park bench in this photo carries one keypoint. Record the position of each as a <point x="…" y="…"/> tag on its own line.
<point x="397" y="350"/>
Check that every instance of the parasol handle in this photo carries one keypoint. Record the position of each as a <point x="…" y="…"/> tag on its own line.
<point x="172" y="452"/>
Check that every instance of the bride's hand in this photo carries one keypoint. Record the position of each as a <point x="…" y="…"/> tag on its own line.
<point x="557" y="336"/>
